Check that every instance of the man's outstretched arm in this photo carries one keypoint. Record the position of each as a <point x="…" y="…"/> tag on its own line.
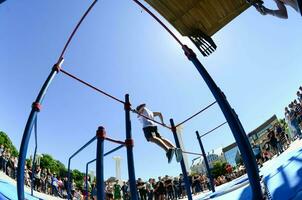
<point x="160" y="116"/>
<point x="281" y="12"/>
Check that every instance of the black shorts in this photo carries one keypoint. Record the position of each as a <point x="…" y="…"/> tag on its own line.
<point x="150" y="132"/>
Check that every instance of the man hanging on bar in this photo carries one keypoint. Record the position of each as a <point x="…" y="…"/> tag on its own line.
<point x="281" y="12"/>
<point x="152" y="134"/>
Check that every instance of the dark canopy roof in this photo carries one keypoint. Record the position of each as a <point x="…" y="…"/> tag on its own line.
<point x="192" y="16"/>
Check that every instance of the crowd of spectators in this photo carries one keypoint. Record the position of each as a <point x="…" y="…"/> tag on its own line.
<point x="8" y="163"/>
<point x="293" y="114"/>
<point x="166" y="188"/>
<point x="278" y="139"/>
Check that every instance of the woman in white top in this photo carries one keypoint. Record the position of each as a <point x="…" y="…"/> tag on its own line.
<point x="152" y="134"/>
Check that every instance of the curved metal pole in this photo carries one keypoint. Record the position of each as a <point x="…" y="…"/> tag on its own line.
<point x="230" y="115"/>
<point x="234" y="123"/>
<point x="34" y="158"/>
<point x="34" y="111"/>
<point x="206" y="162"/>
<point x="69" y="160"/>
<point x="28" y="129"/>
<point x="182" y="162"/>
<point x="87" y="165"/>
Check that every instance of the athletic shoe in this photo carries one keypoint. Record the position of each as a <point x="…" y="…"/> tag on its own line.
<point x="178" y="154"/>
<point x="170" y="154"/>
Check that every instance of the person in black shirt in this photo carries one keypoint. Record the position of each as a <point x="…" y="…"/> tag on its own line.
<point x="169" y="187"/>
<point x="124" y="190"/>
<point x="141" y="189"/>
<point x="160" y="189"/>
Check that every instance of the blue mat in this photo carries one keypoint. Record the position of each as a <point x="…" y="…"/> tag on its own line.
<point x="282" y="176"/>
<point x="9" y="192"/>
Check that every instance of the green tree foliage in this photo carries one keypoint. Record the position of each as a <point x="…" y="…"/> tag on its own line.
<point x="54" y="166"/>
<point x="5" y="140"/>
<point x="219" y="168"/>
<point x="78" y="178"/>
<point x="46" y="162"/>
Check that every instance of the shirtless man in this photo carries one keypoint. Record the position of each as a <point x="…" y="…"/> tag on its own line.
<point x="281" y="12"/>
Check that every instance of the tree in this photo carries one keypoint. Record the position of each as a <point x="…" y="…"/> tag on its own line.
<point x="55" y="166"/>
<point x="5" y="140"/>
<point x="78" y="177"/>
<point x="219" y="168"/>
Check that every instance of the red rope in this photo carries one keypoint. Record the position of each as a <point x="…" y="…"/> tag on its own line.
<point x="91" y="86"/>
<point x="115" y="141"/>
<point x="162" y="124"/>
<point x="196" y="114"/>
<point x="76" y="28"/>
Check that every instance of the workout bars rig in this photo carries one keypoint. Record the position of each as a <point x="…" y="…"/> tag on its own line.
<point x="229" y="113"/>
<point x="101" y="137"/>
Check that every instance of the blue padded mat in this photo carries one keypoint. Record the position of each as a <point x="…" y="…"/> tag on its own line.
<point x="9" y="192"/>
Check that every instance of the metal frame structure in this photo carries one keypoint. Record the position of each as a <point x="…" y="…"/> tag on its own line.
<point x="88" y="163"/>
<point x="229" y="113"/>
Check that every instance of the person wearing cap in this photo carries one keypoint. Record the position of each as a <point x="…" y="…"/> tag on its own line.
<point x="151" y="133"/>
<point x="281" y="12"/>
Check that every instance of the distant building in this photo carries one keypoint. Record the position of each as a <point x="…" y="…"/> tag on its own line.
<point x="231" y="152"/>
<point x="257" y="136"/>
<point x="198" y="164"/>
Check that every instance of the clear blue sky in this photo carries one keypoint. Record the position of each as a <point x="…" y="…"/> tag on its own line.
<point x="123" y="50"/>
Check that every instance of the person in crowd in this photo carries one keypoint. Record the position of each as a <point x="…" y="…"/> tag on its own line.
<point x="117" y="191"/>
<point x="37" y="179"/>
<point x="299" y="96"/>
<point x="176" y="188"/>
<point x="160" y="189"/>
<point x="151" y="133"/>
<point x="141" y="186"/>
<point x="293" y="119"/>
<point x="54" y="185"/>
<point x="279" y="136"/>
<point x="125" y="191"/>
<point x="257" y="153"/>
<point x="108" y="191"/>
<point x="281" y="11"/>
<point x="169" y="188"/>
<point x="1" y="155"/>
<point x="272" y="140"/>
<point x="182" y="186"/>
<point x="93" y="192"/>
<point x="150" y="189"/>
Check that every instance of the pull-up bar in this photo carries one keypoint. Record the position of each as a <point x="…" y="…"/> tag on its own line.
<point x="210" y="131"/>
<point x="91" y="86"/>
<point x="162" y="124"/>
<point x="88" y="163"/>
<point x="202" y="110"/>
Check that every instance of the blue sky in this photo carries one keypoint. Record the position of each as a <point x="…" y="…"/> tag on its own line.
<point x="122" y="50"/>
